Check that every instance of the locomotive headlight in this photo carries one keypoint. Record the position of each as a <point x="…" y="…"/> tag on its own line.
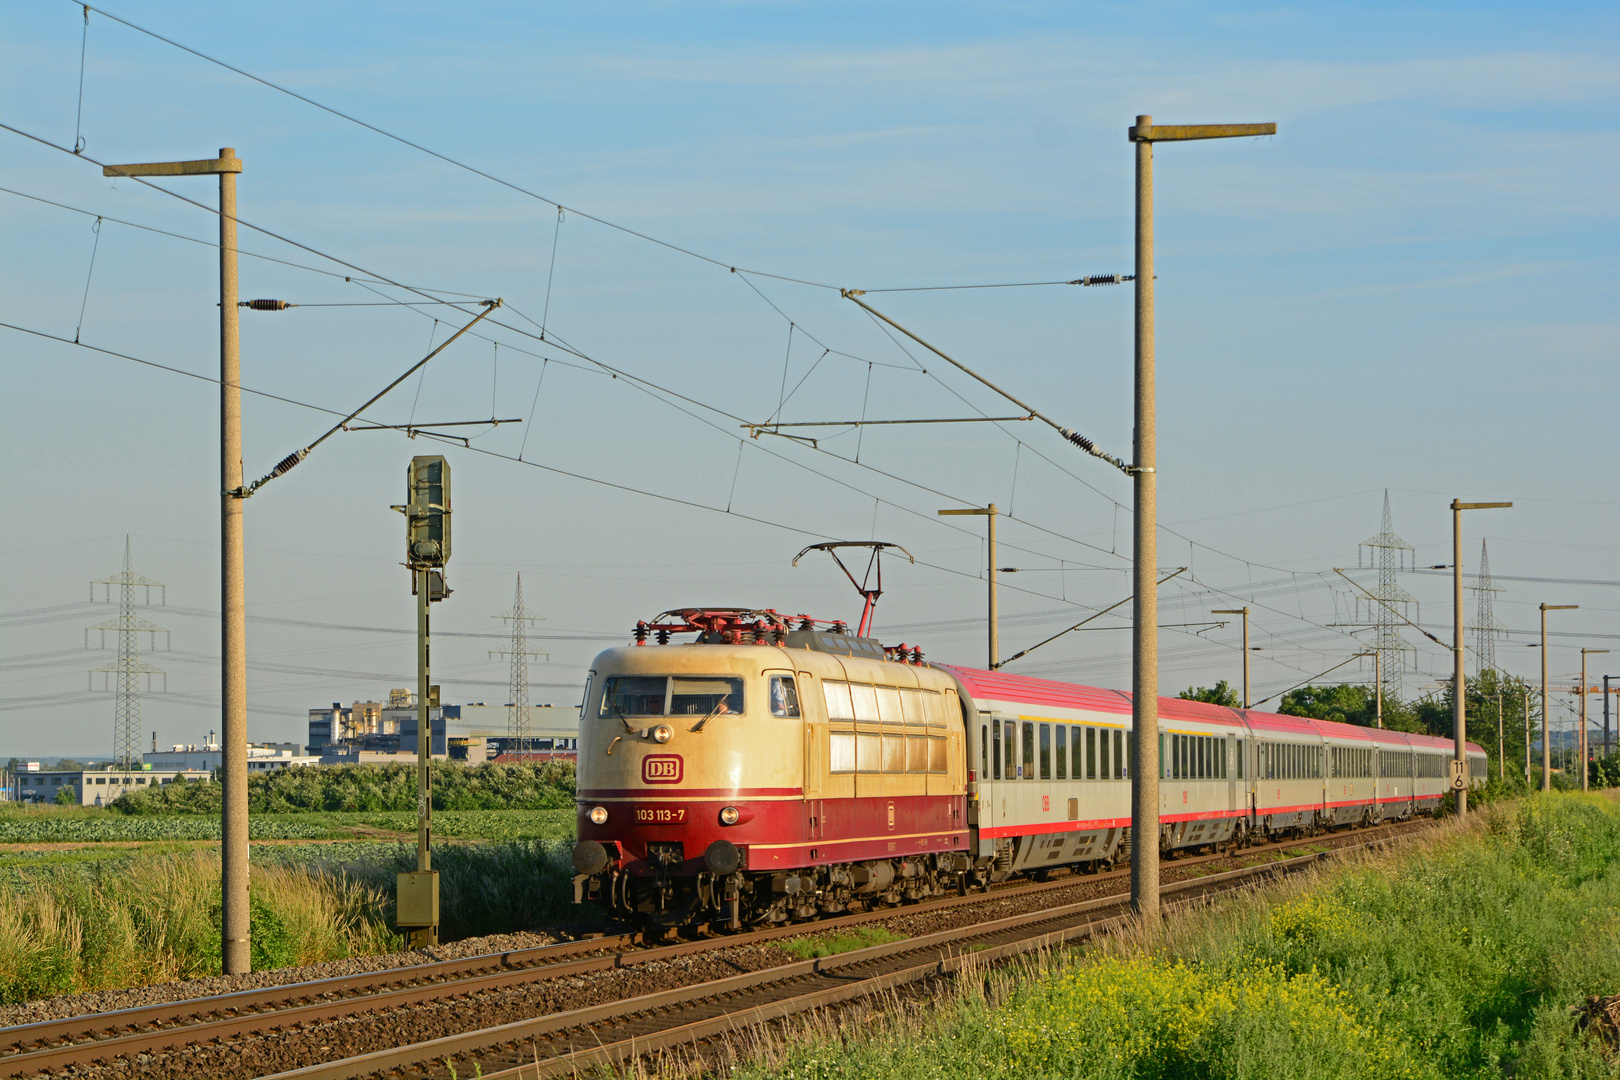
<point x="663" y="733"/>
<point x="598" y="815"/>
<point x="729" y="815"/>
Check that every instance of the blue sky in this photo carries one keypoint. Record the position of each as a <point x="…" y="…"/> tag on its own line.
<point x="1412" y="287"/>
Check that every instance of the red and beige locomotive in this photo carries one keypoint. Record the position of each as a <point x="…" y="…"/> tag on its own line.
<point x="774" y="770"/>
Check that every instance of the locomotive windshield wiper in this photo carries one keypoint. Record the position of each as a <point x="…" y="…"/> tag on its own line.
<point x="623" y="719"/>
<point x="719" y="706"/>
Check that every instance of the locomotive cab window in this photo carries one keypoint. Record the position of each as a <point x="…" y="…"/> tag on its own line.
<point x="634" y="695"/>
<point x="685" y="695"/>
<point x="784" y="696"/>
<point x="718" y="694"/>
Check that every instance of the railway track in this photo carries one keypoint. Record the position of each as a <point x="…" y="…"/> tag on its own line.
<point x="135" y="1034"/>
<point x="576" y="1042"/>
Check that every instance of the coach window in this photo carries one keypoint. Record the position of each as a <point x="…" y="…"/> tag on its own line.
<point x="1046" y="751"/>
<point x="784" y="696"/>
<point x="1091" y="753"/>
<point x="984" y="751"/>
<point x="1062" y="752"/>
<point x="1027" y="768"/>
<point x="1009" y="750"/>
<point x="995" y="747"/>
<point x="1076" y="768"/>
<point x="1102" y="754"/>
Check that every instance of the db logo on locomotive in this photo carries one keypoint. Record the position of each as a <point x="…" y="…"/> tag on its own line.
<point x="661" y="769"/>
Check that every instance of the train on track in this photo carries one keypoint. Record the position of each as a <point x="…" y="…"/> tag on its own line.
<point x="776" y="769"/>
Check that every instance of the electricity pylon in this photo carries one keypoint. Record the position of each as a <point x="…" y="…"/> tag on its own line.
<point x="1486" y="628"/>
<point x="517" y="721"/>
<point x="1387" y="604"/>
<point x="128" y="667"/>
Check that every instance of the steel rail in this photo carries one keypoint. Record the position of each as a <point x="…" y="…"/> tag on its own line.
<point x="524" y="1038"/>
<point x="20" y="1037"/>
<point x="73" y="1040"/>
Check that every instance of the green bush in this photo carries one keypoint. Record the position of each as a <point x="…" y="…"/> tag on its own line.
<point x="547" y="785"/>
<point x="65" y="797"/>
<point x="495" y="888"/>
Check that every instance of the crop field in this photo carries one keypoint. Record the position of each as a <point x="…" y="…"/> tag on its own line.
<point x="74" y="825"/>
<point x="1462" y="956"/>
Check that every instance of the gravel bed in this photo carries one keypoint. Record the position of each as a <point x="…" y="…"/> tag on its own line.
<point x="95" y="1001"/>
<point x="254" y="1056"/>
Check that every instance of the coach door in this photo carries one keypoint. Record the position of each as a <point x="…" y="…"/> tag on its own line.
<point x="1233" y="748"/>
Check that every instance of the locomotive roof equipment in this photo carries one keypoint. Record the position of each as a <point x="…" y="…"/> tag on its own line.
<point x="875" y="562"/>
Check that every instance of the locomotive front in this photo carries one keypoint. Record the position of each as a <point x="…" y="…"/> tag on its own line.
<point x="687" y="755"/>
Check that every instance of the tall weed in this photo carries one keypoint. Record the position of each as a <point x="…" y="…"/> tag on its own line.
<point x="156" y="918"/>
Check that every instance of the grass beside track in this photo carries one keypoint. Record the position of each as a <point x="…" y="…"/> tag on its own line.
<point x="859" y="937"/>
<point x="118" y="918"/>
<point x="1458" y="957"/>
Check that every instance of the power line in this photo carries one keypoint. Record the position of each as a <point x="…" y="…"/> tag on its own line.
<point x="552" y="340"/>
<point x="448" y="159"/>
<point x="215" y="244"/>
<point x="617" y="373"/>
<point x="561" y="207"/>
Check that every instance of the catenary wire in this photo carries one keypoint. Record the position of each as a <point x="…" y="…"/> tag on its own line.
<point x="506" y="326"/>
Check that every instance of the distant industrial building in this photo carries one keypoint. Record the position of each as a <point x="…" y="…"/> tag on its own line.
<point x="368" y="732"/>
<point x="208" y="756"/>
<point x="96" y="787"/>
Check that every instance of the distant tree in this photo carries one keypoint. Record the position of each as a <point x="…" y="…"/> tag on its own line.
<point x="66" y="797"/>
<point x="1219" y="694"/>
<point x="1342" y="704"/>
<point x="68" y="764"/>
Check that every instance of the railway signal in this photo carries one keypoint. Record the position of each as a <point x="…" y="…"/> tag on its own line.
<point x="427" y="549"/>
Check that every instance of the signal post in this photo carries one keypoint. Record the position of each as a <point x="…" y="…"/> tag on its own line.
<point x="427" y="549"/>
